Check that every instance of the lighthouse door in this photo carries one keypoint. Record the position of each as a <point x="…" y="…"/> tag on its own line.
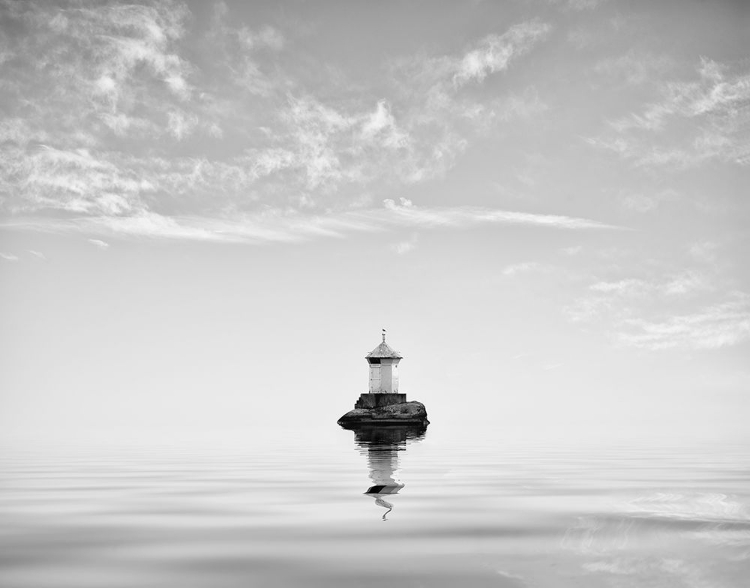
<point x="374" y="378"/>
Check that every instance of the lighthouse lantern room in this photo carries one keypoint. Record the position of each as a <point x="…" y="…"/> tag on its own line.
<point x="383" y="362"/>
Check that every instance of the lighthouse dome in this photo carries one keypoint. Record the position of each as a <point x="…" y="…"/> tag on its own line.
<point x="384" y="351"/>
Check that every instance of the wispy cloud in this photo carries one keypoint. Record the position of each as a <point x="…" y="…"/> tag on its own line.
<point x="331" y="146"/>
<point x="635" y="67"/>
<point x="687" y="309"/>
<point x="403" y="247"/>
<point x="645" y="202"/>
<point x="448" y="114"/>
<point x="686" y="283"/>
<point x="494" y="52"/>
<point x="682" y="283"/>
<point x="108" y="59"/>
<point x="520" y="268"/>
<point x="74" y="181"/>
<point x="577" y="5"/>
<point x="716" y="92"/>
<point x="629" y="286"/>
<point x="99" y="243"/>
<point x="704" y="251"/>
<point x="241" y="48"/>
<point x="719" y="325"/>
<point x="694" y="122"/>
<point x="8" y="257"/>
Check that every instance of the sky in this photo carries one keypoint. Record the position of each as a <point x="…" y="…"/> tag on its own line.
<point x="209" y="211"/>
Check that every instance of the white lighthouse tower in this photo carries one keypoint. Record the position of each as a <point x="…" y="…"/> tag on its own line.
<point x="383" y="362"/>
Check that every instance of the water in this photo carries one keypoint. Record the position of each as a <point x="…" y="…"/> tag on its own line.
<point x="289" y="508"/>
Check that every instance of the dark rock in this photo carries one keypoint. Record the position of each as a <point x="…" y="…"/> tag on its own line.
<point x="368" y="400"/>
<point x="394" y="414"/>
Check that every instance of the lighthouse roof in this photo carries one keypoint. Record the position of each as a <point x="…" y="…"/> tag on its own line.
<point x="384" y="351"/>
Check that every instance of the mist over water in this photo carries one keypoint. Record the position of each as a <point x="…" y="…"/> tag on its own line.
<point x="296" y="507"/>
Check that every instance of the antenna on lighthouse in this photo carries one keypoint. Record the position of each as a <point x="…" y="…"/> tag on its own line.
<point x="383" y="335"/>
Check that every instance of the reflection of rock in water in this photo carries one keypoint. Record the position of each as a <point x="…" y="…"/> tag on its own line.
<point x="381" y="445"/>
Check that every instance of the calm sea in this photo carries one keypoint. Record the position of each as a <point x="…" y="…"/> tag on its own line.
<point x="292" y="508"/>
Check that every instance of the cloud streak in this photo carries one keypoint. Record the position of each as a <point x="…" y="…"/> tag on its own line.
<point x="284" y="226"/>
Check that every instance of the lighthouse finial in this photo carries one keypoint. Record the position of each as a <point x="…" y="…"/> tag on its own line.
<point x="383" y="335"/>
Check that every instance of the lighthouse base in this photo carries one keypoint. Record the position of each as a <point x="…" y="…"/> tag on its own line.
<point x="378" y="400"/>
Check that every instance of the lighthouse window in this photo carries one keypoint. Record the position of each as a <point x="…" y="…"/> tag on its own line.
<point x="373" y="360"/>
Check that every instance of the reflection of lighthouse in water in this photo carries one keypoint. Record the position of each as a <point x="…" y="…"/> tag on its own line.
<point x="381" y="445"/>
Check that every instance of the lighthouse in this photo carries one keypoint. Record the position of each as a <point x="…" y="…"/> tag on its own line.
<point x="383" y="404"/>
<point x="383" y="362"/>
<point x="383" y="390"/>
